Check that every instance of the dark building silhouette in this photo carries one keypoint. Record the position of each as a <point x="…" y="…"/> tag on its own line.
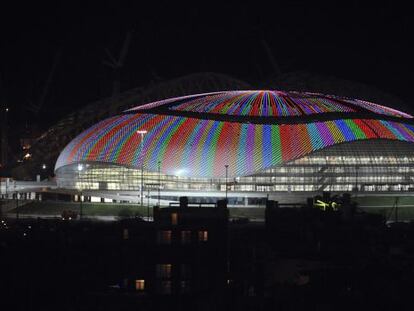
<point x="181" y="258"/>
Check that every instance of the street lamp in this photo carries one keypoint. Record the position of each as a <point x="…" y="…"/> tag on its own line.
<point x="227" y="169"/>
<point x="159" y="183"/>
<point x="17" y="204"/>
<point x="142" y="133"/>
<point x="80" y="168"/>
<point x="43" y="172"/>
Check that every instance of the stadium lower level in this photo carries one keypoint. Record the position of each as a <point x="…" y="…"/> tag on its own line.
<point x="374" y="166"/>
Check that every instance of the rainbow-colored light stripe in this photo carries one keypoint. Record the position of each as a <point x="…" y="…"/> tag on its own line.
<point x="270" y="104"/>
<point x="201" y="148"/>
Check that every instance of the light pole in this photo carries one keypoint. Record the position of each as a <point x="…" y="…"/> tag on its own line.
<point x="80" y="168"/>
<point x="81" y="205"/>
<point x="159" y="183"/>
<point x="227" y="170"/>
<point x="148" y="202"/>
<point x="142" y="133"/>
<point x="17" y="205"/>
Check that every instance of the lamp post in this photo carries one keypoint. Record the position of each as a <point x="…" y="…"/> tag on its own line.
<point x="17" y="205"/>
<point x="81" y="205"/>
<point x="148" y="202"/>
<point x="80" y="168"/>
<point x="227" y="169"/>
<point x="159" y="183"/>
<point x="142" y="133"/>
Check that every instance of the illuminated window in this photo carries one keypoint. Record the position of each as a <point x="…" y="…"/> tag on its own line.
<point x="203" y="236"/>
<point x="174" y="218"/>
<point x="139" y="285"/>
<point x="164" y="237"/>
<point x="164" y="270"/>
<point x="125" y="234"/>
<point x="185" y="237"/>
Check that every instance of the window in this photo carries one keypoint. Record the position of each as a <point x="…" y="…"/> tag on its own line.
<point x="125" y="234"/>
<point x="165" y="287"/>
<point x="185" y="287"/>
<point x="164" y="237"/>
<point x="139" y="285"/>
<point x="174" y="218"/>
<point x="185" y="271"/>
<point x="185" y="237"/>
<point x="251" y="291"/>
<point x="164" y="270"/>
<point x="203" y="236"/>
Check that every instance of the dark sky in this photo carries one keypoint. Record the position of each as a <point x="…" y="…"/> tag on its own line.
<point x="370" y="44"/>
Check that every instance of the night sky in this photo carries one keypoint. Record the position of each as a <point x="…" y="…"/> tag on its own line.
<point x="369" y="44"/>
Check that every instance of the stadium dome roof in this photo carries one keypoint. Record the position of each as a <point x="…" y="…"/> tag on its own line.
<point x="250" y="131"/>
<point x="270" y="104"/>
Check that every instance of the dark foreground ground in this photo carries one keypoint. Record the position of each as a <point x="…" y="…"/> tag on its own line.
<point x="380" y="205"/>
<point x="298" y="261"/>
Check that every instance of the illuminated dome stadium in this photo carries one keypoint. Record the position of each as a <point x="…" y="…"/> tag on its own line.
<point x="253" y="141"/>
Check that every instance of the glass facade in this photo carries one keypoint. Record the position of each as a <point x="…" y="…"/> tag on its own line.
<point x="371" y="166"/>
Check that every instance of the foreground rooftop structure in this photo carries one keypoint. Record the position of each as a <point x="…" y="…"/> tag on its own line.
<point x="247" y="141"/>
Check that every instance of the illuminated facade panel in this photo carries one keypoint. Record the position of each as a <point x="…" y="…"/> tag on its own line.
<point x="201" y="148"/>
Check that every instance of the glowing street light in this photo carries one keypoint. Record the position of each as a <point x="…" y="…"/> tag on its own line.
<point x="142" y="133"/>
<point x="227" y="170"/>
<point x="159" y="183"/>
<point x="80" y="168"/>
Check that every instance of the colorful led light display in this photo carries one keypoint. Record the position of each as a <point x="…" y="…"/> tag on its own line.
<point x="201" y="148"/>
<point x="270" y="104"/>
